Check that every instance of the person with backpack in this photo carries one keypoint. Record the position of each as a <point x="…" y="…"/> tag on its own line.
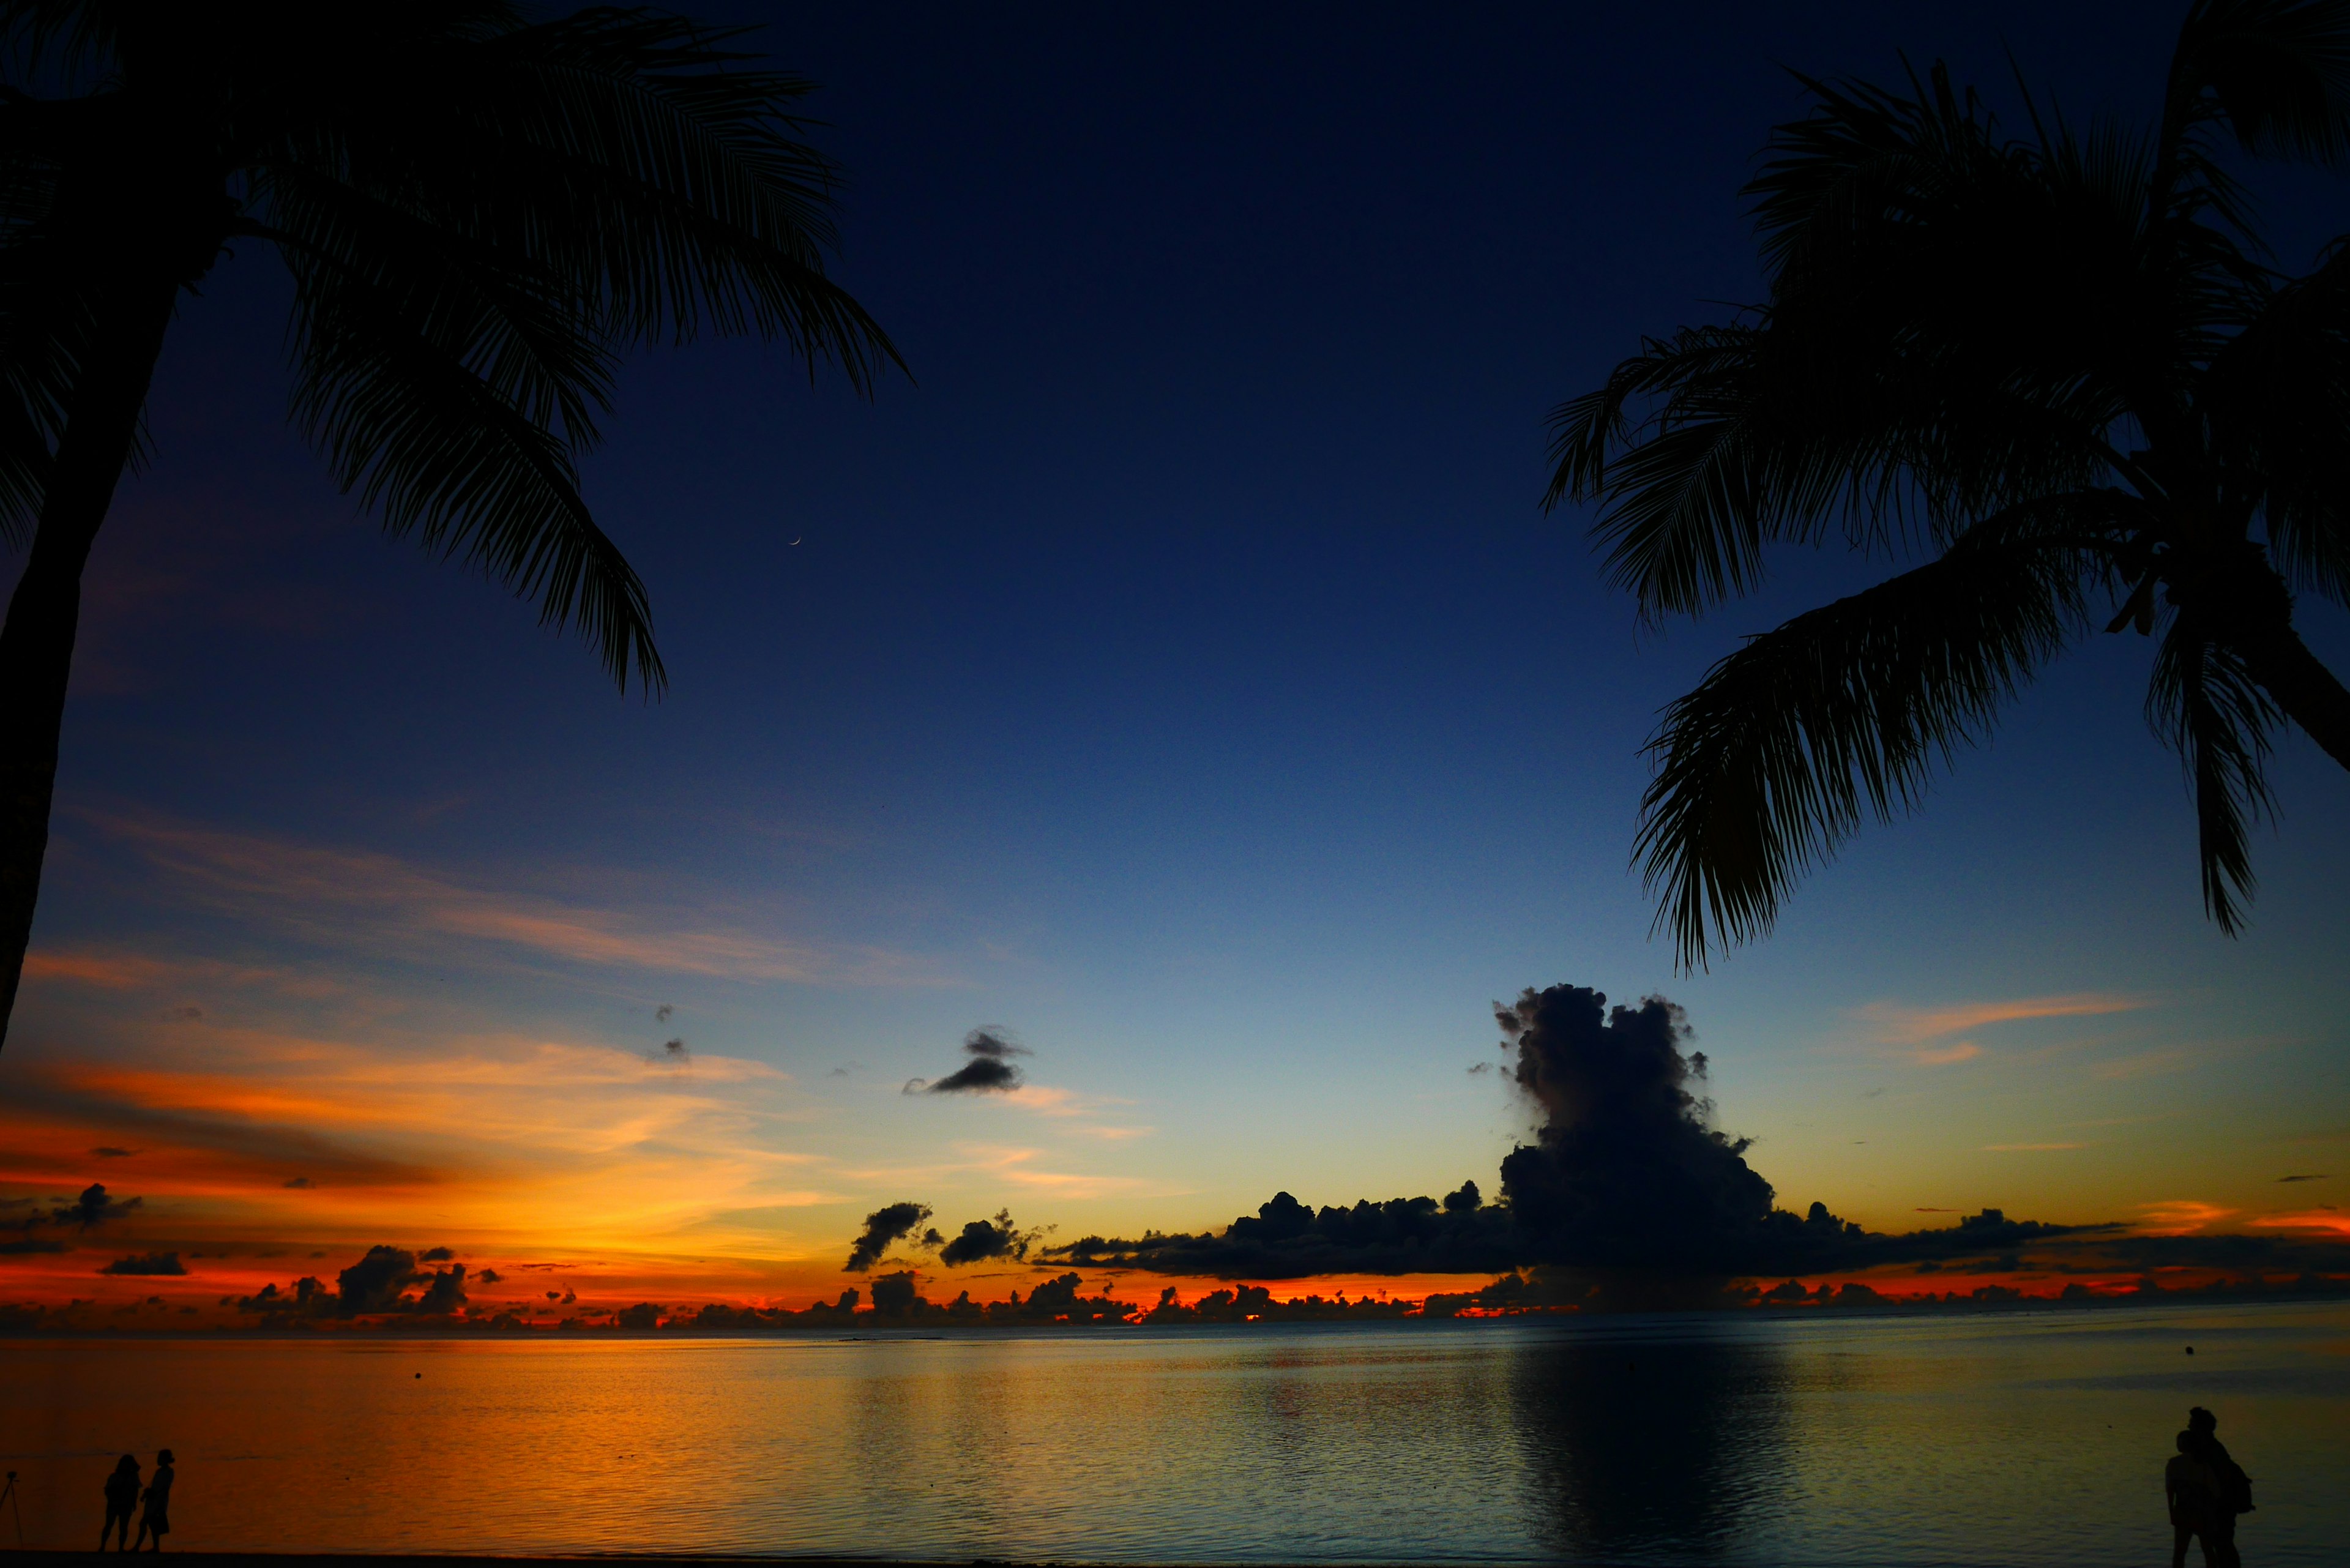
<point x="2235" y="1488"/>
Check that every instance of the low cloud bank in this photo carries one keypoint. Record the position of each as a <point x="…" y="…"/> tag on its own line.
<point x="377" y="1285"/>
<point x="1627" y="1176"/>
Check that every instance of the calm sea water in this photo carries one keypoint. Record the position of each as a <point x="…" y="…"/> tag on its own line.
<point x="2026" y="1440"/>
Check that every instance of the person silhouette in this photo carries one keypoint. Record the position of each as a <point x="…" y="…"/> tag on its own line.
<point x="2235" y="1488"/>
<point x="122" y="1501"/>
<point x="2191" y="1488"/>
<point x="158" y="1517"/>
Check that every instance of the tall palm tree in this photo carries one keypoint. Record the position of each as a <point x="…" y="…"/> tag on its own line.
<point x="2059" y="367"/>
<point x="479" y="212"/>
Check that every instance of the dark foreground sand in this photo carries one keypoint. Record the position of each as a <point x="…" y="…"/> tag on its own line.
<point x="16" y="1557"/>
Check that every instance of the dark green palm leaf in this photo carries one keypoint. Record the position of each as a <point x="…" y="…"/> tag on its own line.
<point x="1847" y="711"/>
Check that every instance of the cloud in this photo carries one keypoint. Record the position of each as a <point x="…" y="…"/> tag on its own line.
<point x="2324" y="1220"/>
<point x="489" y="1276"/>
<point x="984" y="1240"/>
<point x="445" y="1293"/>
<point x="2315" y="1176"/>
<point x="374" y="1283"/>
<point x="1893" y="1024"/>
<point x="672" y="1054"/>
<point x="990" y="1069"/>
<point x="1944" y="1056"/>
<point x="390" y="903"/>
<point x="146" y="1263"/>
<point x="435" y="1255"/>
<point x="885" y="1225"/>
<point x="2177" y="1217"/>
<point x="299" y="1183"/>
<point x="93" y="1209"/>
<point x="108" y="1151"/>
<point x="1627" y="1178"/>
<point x="24" y="1246"/>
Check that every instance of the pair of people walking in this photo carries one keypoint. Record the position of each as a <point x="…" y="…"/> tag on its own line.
<point x="122" y="1496"/>
<point x="2207" y="1490"/>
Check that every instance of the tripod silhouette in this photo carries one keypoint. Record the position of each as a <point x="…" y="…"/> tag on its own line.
<point x="8" y="1495"/>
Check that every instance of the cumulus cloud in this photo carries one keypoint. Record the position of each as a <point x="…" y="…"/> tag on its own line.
<point x="445" y="1293"/>
<point x="990" y="1069"/>
<point x="884" y="1226"/>
<point x="984" y="1240"/>
<point x="146" y="1263"/>
<point x="1626" y="1177"/>
<point x="435" y="1255"/>
<point x="92" y="1208"/>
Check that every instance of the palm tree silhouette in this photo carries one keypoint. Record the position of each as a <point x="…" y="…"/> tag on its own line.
<point x="480" y="214"/>
<point x="2056" y="365"/>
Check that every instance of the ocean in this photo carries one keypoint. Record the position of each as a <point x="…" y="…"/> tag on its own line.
<point x="2026" y="1439"/>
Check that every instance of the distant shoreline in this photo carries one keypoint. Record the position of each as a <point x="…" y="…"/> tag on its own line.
<point x="904" y="1331"/>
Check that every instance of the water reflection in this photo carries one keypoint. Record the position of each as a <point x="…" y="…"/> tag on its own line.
<point x="1652" y="1447"/>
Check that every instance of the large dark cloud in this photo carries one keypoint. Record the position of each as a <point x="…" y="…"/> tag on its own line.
<point x="984" y="1240"/>
<point x="376" y="1285"/>
<point x="146" y="1263"/>
<point x="882" y="1227"/>
<point x="990" y="1068"/>
<point x="1626" y="1178"/>
<point x="93" y="1208"/>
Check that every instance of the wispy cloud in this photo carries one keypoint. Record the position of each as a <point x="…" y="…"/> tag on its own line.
<point x="2179" y="1216"/>
<point x="1018" y="1166"/>
<point x="1923" y="1034"/>
<point x="2325" y="1218"/>
<point x="340" y="896"/>
<point x="1894" y="1024"/>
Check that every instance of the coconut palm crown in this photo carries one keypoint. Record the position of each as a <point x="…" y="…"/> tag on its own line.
<point x="2056" y="371"/>
<point x="481" y="214"/>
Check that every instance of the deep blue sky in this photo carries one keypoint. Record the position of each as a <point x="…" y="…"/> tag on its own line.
<point x="1180" y="672"/>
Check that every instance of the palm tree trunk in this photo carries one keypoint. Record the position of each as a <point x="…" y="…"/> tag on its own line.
<point x="36" y="643"/>
<point x="2308" y="693"/>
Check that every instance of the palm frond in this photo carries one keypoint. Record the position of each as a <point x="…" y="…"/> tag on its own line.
<point x="2275" y="73"/>
<point x="2204" y="705"/>
<point x="1845" y="711"/>
<point x="2277" y="400"/>
<point x="430" y="442"/>
<point x="480" y="215"/>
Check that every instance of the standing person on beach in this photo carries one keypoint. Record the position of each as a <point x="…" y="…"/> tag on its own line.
<point x="2191" y="1488"/>
<point x="122" y="1502"/>
<point x="158" y="1517"/>
<point x="2235" y="1487"/>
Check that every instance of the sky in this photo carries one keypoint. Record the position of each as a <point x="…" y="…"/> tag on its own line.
<point x="1175" y="676"/>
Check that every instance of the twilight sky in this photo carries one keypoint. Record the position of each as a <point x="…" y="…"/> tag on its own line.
<point x="1180" y="676"/>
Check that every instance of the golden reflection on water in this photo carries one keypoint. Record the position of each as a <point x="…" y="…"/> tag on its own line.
<point x="2029" y="1440"/>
